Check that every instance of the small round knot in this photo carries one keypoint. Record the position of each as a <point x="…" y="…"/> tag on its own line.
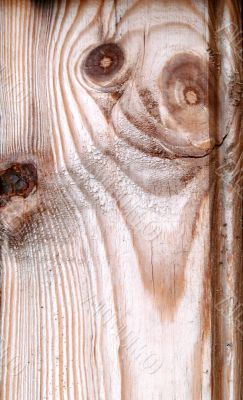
<point x="104" y="61"/>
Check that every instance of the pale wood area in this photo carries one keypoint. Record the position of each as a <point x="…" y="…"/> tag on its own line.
<point x="118" y="271"/>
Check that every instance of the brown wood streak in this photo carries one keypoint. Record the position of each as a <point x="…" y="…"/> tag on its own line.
<point x="226" y="233"/>
<point x="127" y="219"/>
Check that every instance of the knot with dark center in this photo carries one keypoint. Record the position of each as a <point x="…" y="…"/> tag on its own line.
<point x="104" y="61"/>
<point x="17" y="180"/>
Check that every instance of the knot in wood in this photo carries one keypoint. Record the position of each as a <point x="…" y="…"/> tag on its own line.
<point x="104" y="61"/>
<point x="17" y="180"/>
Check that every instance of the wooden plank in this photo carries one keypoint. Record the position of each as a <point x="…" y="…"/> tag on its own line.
<point x="121" y="267"/>
<point x="227" y="210"/>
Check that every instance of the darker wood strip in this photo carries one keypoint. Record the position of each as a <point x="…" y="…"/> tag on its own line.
<point x="224" y="253"/>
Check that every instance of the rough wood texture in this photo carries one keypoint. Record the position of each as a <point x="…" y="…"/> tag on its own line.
<point x="120" y="264"/>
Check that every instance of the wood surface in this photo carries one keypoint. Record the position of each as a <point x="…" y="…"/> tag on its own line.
<point x="121" y="261"/>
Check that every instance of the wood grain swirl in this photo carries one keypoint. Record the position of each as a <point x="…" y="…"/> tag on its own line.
<point x="110" y="268"/>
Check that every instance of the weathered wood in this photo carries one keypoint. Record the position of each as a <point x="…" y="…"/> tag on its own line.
<point x="121" y="266"/>
<point x="227" y="210"/>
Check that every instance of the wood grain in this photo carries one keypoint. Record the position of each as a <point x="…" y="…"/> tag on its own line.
<point x="116" y="270"/>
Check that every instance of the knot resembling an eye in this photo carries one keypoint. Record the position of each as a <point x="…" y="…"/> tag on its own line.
<point x="184" y="89"/>
<point x="104" y="61"/>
